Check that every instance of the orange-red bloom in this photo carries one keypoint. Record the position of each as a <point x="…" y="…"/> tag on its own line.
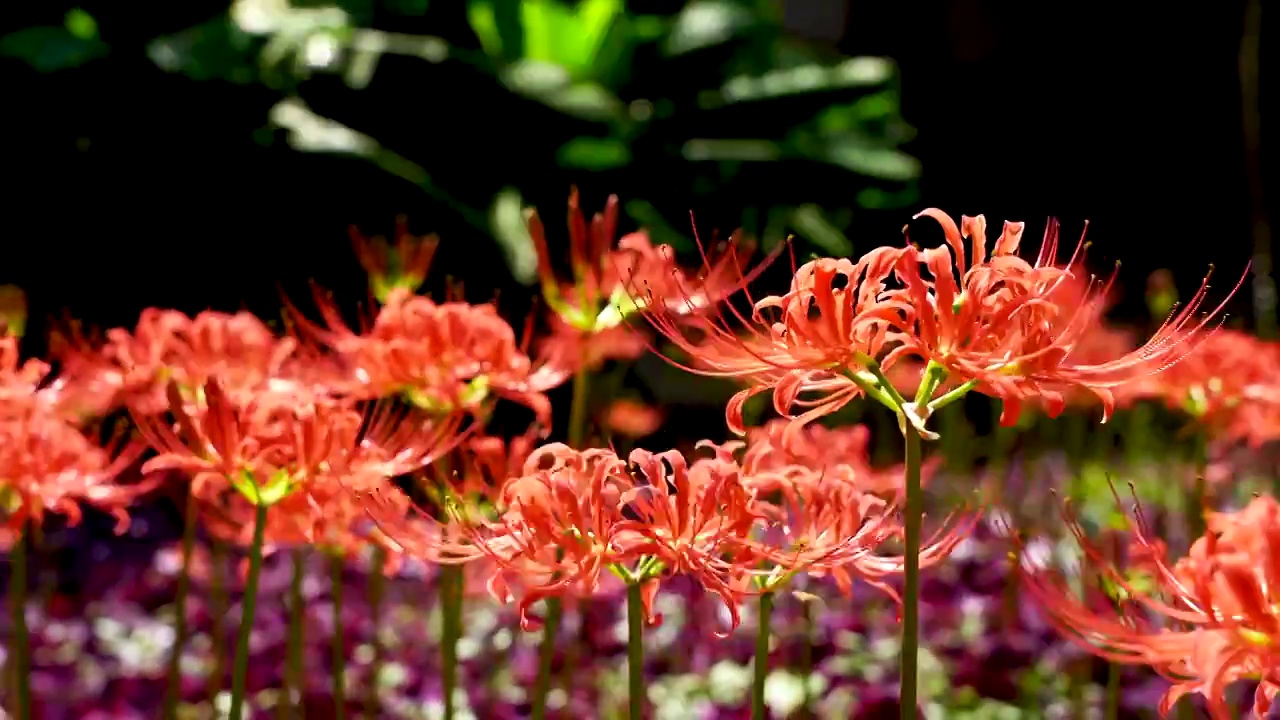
<point x="1205" y="621"/>
<point x="804" y="345"/>
<point x="1015" y="328"/>
<point x="136" y="368"/>
<point x="633" y="419"/>
<point x="693" y="518"/>
<point x="1229" y="385"/>
<point x="608" y="284"/>
<point x="400" y="267"/>
<point x="441" y="357"/>
<point x="554" y="535"/>
<point x="311" y="457"/>
<point x="47" y="463"/>
<point x="836" y="454"/>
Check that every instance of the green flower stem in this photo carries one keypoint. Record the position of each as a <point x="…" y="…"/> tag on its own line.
<point x="952" y="396"/>
<point x="911" y="576"/>
<point x="578" y="411"/>
<point x="635" y="653"/>
<point x="377" y="583"/>
<point x="451" y="587"/>
<point x="576" y="434"/>
<point x="20" y="661"/>
<point x="294" y="681"/>
<point x="1197" y="498"/>
<point x="546" y="658"/>
<point x="338" y="649"/>
<point x="760" y="665"/>
<point x="248" y="606"/>
<point x="1112" y="711"/>
<point x="218" y="602"/>
<point x="174" y="691"/>
<point x="1195" y="507"/>
<point x="806" y="659"/>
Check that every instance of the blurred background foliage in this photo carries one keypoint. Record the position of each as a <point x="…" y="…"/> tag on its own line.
<point x="200" y="154"/>
<point x="708" y="105"/>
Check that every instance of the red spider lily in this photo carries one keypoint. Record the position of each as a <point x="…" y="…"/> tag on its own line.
<point x="48" y="465"/>
<point x="402" y="267"/>
<point x="1228" y="384"/>
<point x="605" y="279"/>
<point x="821" y="524"/>
<point x="633" y="419"/>
<point x="1203" y="622"/>
<point x="481" y="467"/>
<point x="807" y="346"/>
<point x="836" y="454"/>
<point x="554" y="536"/>
<point x="280" y="440"/>
<point x="1002" y="324"/>
<point x="473" y="476"/>
<point x="74" y="397"/>
<point x="577" y="351"/>
<point x="46" y="461"/>
<point x="166" y="346"/>
<point x="440" y="357"/>
<point x="694" y="519"/>
<point x="829" y="529"/>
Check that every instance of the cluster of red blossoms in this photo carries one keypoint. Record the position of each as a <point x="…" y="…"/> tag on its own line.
<point x="342" y="437"/>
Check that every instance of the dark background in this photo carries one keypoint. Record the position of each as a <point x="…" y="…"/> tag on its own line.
<point x="130" y="186"/>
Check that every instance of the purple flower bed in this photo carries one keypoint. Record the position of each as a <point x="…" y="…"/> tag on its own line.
<point x="101" y="644"/>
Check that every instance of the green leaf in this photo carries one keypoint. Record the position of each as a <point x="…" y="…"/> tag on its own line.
<point x="812" y="224"/>
<point x="586" y="101"/>
<point x="592" y="153"/>
<point x="497" y="25"/>
<point x="216" y="49"/>
<point x="568" y="36"/>
<point x="407" y="7"/>
<point x="704" y="24"/>
<point x="730" y="150"/>
<point x="875" y="198"/>
<point x="863" y="158"/>
<point x="506" y="219"/>
<point x="81" y="24"/>
<point x="552" y="85"/>
<point x="775" y="228"/>
<point x="860" y="72"/>
<point x="49" y="49"/>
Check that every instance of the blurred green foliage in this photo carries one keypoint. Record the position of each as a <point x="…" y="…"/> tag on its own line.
<point x="491" y="105"/>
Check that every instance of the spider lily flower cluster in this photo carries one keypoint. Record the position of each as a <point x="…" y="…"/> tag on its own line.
<point x="376" y="436"/>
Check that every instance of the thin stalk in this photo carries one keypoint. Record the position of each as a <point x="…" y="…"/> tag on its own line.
<point x="174" y="691"/>
<point x="635" y="653"/>
<point x="20" y="664"/>
<point x="338" y="647"/>
<point x="1112" y="711"/>
<point x="760" y="665"/>
<point x="578" y="411"/>
<point x="806" y="660"/>
<point x="248" y="605"/>
<point x="575" y="435"/>
<point x="546" y="658"/>
<point x="1195" y="526"/>
<point x="293" y="676"/>
<point x="451" y="587"/>
<point x="1197" y="499"/>
<point x="218" y="602"/>
<point x="911" y="577"/>
<point x="377" y="584"/>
